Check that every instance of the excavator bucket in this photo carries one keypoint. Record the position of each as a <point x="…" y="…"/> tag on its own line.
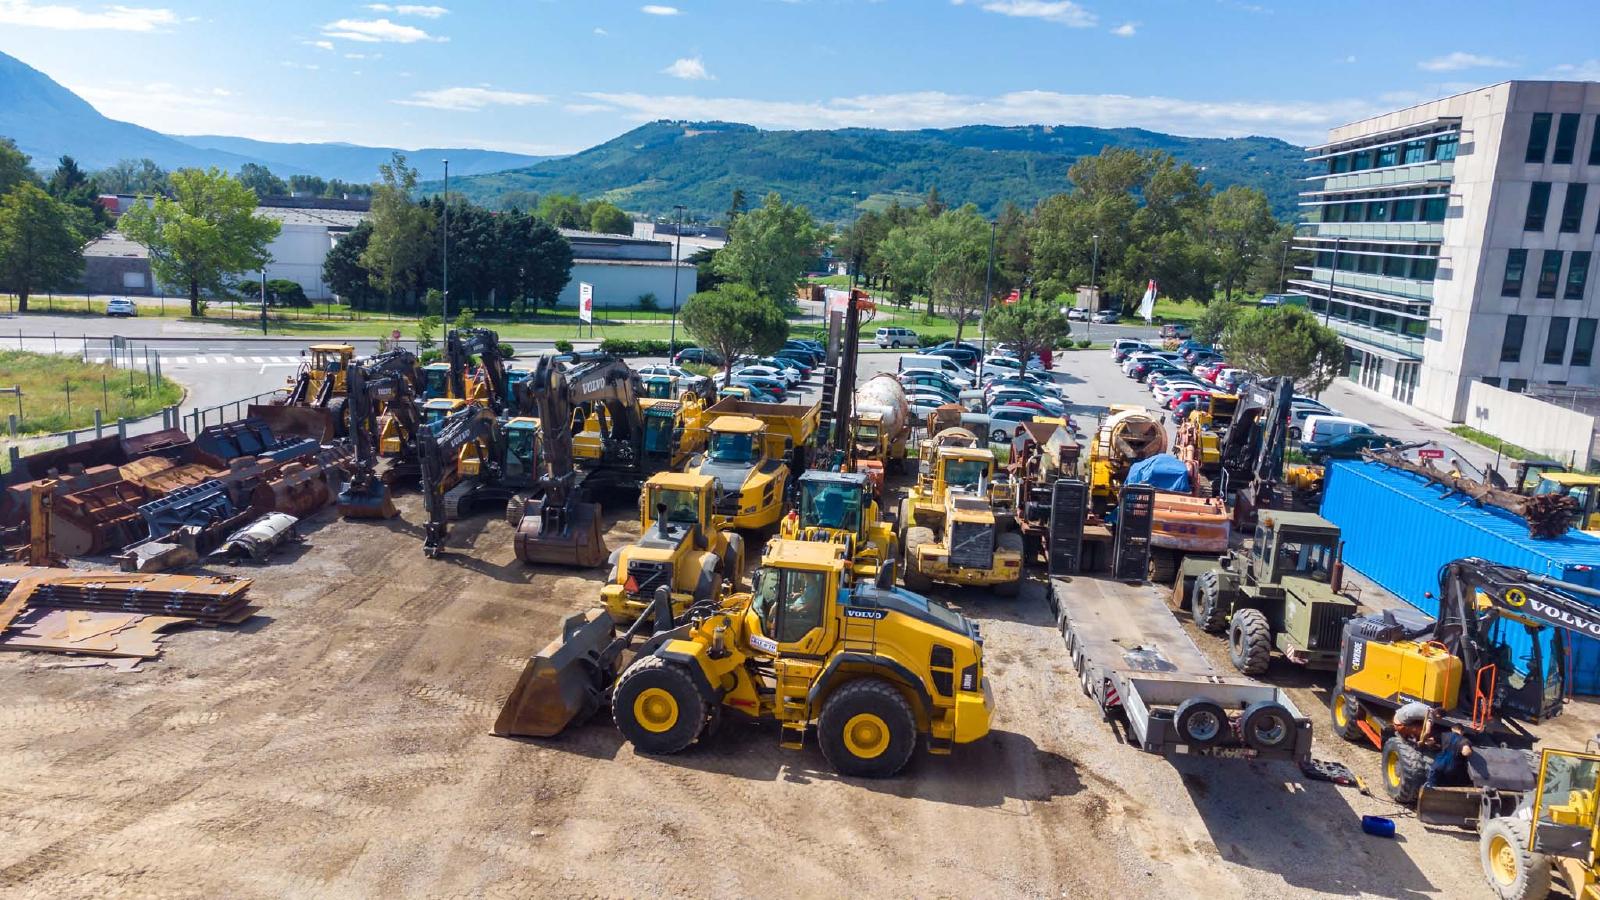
<point x="564" y="683"/>
<point x="372" y="502"/>
<point x="1455" y="807"/>
<point x="570" y="539"/>
<point x="307" y="421"/>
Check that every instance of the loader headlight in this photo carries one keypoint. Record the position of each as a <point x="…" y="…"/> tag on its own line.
<point x="969" y="678"/>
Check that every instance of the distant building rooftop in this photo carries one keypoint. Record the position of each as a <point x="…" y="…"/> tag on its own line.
<point x="331" y="218"/>
<point x="114" y="244"/>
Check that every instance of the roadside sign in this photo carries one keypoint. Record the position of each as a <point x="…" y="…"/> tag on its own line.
<point x="394" y="335"/>
<point x="1430" y="454"/>
<point x="586" y="301"/>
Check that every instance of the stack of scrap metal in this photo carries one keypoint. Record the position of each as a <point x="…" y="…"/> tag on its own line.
<point x="217" y="444"/>
<point x="159" y="475"/>
<point x="119" y="640"/>
<point x="207" y="599"/>
<point x="100" y="518"/>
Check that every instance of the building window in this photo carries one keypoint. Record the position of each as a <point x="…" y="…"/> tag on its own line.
<point x="1490" y="380"/>
<point x="1339" y="164"/>
<point x="1444" y="148"/>
<point x="1566" y="139"/>
<point x="1511" y="344"/>
<point x="1549" y="274"/>
<point x="1389" y="156"/>
<point x="1378" y="211"/>
<point x="1362" y="161"/>
<point x="1424" y="269"/>
<point x="1334" y="213"/>
<point x="1555" y="344"/>
<point x="1577" y="276"/>
<point x="1394" y="266"/>
<point x="1538" y="206"/>
<point x="1355" y="212"/>
<point x="1538" y="138"/>
<point x="1594" y="144"/>
<point x="1572" y="208"/>
<point x="1405" y="210"/>
<point x="1516" y="265"/>
<point x="1433" y="209"/>
<point x="1583" y="343"/>
<point x="1517" y="385"/>
<point x="1416" y="151"/>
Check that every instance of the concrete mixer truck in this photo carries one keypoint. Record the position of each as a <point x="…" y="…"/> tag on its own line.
<point x="880" y="428"/>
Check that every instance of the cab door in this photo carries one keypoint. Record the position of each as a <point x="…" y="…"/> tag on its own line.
<point x="1564" y="820"/>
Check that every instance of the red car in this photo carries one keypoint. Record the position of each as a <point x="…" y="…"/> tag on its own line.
<point x="1181" y="396"/>
<point x="1029" y="404"/>
<point x="1209" y="373"/>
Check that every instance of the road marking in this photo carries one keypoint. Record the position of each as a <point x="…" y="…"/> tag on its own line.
<point x="219" y="359"/>
<point x="99" y="360"/>
<point x="257" y="359"/>
<point x="239" y="359"/>
<point x="179" y="360"/>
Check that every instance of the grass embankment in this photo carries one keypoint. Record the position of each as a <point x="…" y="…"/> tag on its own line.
<point x="60" y="393"/>
<point x="1504" y="448"/>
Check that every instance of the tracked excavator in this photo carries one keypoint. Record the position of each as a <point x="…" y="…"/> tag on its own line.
<point x="1252" y="451"/>
<point x="388" y="380"/>
<point x="440" y="446"/>
<point x="557" y="525"/>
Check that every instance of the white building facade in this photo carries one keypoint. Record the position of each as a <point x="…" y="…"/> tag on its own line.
<point x="1454" y="242"/>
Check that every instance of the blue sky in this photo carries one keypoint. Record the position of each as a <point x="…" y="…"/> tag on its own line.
<point x="556" y="76"/>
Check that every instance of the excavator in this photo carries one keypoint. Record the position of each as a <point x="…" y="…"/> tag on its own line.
<point x="390" y="380"/>
<point x="471" y="430"/>
<point x="838" y="507"/>
<point x="679" y="545"/>
<point x="1252" y="451"/>
<point x="557" y="526"/>
<point x="1495" y="657"/>
<point x="870" y="669"/>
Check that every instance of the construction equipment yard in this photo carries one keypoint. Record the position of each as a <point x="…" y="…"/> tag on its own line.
<point x="339" y="744"/>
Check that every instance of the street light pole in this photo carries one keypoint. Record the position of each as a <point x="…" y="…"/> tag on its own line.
<point x="263" y="300"/>
<point x="1283" y="267"/>
<point x="988" y="281"/>
<point x="446" y="309"/>
<point x="677" y="260"/>
<point x="1094" y="292"/>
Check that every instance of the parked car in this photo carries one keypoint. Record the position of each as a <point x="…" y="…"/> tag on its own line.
<point x="1186" y="395"/>
<point x="1122" y="348"/>
<point x="810" y="350"/>
<point x="1108" y="317"/>
<point x="1002" y="366"/>
<point x="771" y="385"/>
<point x="1175" y="331"/>
<point x="957" y="373"/>
<point x="786" y="377"/>
<point x="1078" y="314"/>
<point x="892" y="337"/>
<point x="1301" y="410"/>
<point x="1346" y="446"/>
<point x="1232" y="379"/>
<point x="700" y="384"/>
<point x="1031" y="381"/>
<point x="965" y="345"/>
<point x="1319" y="428"/>
<point x="962" y="355"/>
<point x="800" y="355"/>
<point x="1204" y="360"/>
<point x="787" y="362"/>
<point x="931" y="381"/>
<point x="1023" y="398"/>
<point x="1144" y="368"/>
<point x="923" y="405"/>
<point x="121" y="306"/>
<point x="697" y="355"/>
<point x="1006" y="421"/>
<point x="1272" y="300"/>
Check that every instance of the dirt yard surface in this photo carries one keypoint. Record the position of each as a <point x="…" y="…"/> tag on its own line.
<point x="338" y="745"/>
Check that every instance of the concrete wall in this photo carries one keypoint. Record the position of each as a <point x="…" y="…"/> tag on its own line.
<point x="298" y="254"/>
<point x="619" y="286"/>
<point x="118" y="275"/>
<point x="1543" y="427"/>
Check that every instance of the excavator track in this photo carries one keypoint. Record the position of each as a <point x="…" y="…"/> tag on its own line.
<point x="456" y="499"/>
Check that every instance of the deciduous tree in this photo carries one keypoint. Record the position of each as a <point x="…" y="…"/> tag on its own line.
<point x="1240" y="229"/>
<point x="607" y="218"/>
<point x="769" y="248"/>
<point x="1027" y="326"/>
<point x="733" y="320"/>
<point x="39" y="246"/>
<point x="260" y="179"/>
<point x="1286" y="341"/>
<point x="15" y="167"/>
<point x="402" y="232"/>
<point x="207" y="230"/>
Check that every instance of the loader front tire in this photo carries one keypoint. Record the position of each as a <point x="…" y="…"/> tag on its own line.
<point x="916" y="536"/>
<point x="1514" y="871"/>
<point x="657" y="707"/>
<point x="867" y="729"/>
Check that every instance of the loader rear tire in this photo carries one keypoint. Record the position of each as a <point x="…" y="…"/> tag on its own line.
<point x="1347" y="714"/>
<point x="1513" y="870"/>
<point x="657" y="707"/>
<point x="867" y="729"/>
<point x="1206" y="603"/>
<point x="1405" y="768"/>
<point x="1250" y="641"/>
<point x="911" y="575"/>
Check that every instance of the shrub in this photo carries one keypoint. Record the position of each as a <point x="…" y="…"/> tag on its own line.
<point x="648" y="302"/>
<point x="430" y="356"/>
<point x="563" y="346"/>
<point x="619" y="346"/>
<point x="1085" y="344"/>
<point x="931" y="340"/>
<point x="433" y="302"/>
<point x="507" y="351"/>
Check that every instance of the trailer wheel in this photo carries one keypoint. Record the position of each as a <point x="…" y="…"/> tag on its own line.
<point x="1010" y="542"/>
<point x="657" y="707"/>
<point x="1267" y="726"/>
<point x="1405" y="768"/>
<point x="1250" y="641"/>
<point x="867" y="729"/>
<point x="1206" y="603"/>
<point x="1200" y="722"/>
<point x="1164" y="565"/>
<point x="910" y="574"/>
<point x="1513" y="870"/>
<point x="1347" y="715"/>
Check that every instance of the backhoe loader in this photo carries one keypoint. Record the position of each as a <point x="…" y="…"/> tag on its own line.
<point x="838" y="507"/>
<point x="678" y="546"/>
<point x="871" y="667"/>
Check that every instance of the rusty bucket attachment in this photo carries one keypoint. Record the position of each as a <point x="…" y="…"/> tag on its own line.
<point x="567" y="536"/>
<point x="306" y="421"/>
<point x="1455" y="807"/>
<point x="565" y="682"/>
<point x="371" y="500"/>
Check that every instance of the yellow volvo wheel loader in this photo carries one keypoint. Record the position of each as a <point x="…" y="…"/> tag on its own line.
<point x="678" y="547"/>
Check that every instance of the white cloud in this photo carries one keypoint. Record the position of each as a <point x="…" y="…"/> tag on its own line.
<point x="373" y="31"/>
<point x="601" y="31"/>
<point x="320" y="45"/>
<point x="470" y="99"/>
<point x="690" y="68"/>
<point x="1452" y="62"/>
<point x="64" y="17"/>
<point x="1126" y="29"/>
<point x="1063" y="12"/>
<point x="583" y="109"/>
<point x="1588" y="70"/>
<point x="654" y="10"/>
<point x="363" y="56"/>
<point x="1296" y="121"/>
<point x="426" y="12"/>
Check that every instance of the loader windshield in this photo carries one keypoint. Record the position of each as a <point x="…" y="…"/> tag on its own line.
<point x="825" y="505"/>
<point x="965" y="472"/>
<point x="683" y="507"/>
<point x="867" y="433"/>
<point x="731" y="447"/>
<point x="1306" y="557"/>
<point x="789" y="602"/>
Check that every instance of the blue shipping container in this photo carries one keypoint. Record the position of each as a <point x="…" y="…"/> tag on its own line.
<point x="1399" y="529"/>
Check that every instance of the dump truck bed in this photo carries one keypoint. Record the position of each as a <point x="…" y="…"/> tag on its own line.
<point x="796" y="421"/>
<point x="1135" y="660"/>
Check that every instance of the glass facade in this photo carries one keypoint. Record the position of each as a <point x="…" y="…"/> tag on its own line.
<point x="1583" y="343"/>
<point x="1511" y="342"/>
<point x="1549" y="274"/>
<point x="1594" y="144"/>
<point x="1538" y="138"/>
<point x="1516" y="267"/>
<point x="1538" y="206"/>
<point x="1577" y="275"/>
<point x="1555" y="344"/>
<point x="1566" y="139"/>
<point x="1572" y="208"/>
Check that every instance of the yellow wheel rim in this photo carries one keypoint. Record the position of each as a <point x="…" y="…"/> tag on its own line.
<point x="866" y="736"/>
<point x="1503" y="860"/>
<point x="1339" y="716"/>
<point x="1391" y="768"/>
<point x="655" y="710"/>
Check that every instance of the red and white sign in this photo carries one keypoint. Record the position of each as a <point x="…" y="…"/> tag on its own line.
<point x="1430" y="454"/>
<point x="394" y="335"/>
<point x="585" y="301"/>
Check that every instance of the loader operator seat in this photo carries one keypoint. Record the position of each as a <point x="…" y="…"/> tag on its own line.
<point x="830" y="510"/>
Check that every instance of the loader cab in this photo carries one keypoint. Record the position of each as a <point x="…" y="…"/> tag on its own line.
<point x="1585" y="489"/>
<point x="680" y="501"/>
<point x="329" y="361"/>
<point x="964" y="468"/>
<point x="521" y="463"/>
<point x="1564" y="815"/>
<point x="795" y="593"/>
<point x="835" y="501"/>
<point x="1293" y="545"/>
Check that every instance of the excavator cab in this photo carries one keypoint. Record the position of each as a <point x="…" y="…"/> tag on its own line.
<point x="520" y="466"/>
<point x="438" y="409"/>
<point x="436" y="381"/>
<point x="660" y="387"/>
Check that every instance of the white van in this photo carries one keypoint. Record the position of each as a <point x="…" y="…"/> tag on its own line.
<point x="954" y="370"/>
<point x="1323" y="428"/>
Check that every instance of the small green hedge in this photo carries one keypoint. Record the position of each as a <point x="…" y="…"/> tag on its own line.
<point x="624" y="347"/>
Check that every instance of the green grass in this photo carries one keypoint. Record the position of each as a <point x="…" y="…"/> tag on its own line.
<point x="1178" y="311"/>
<point x="1504" y="448"/>
<point x="48" y="380"/>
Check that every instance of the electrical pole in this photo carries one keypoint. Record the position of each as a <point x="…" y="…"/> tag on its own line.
<point x="988" y="279"/>
<point x="677" y="261"/>
<point x="446" y="232"/>
<point x="1094" y="292"/>
<point x="263" y="300"/>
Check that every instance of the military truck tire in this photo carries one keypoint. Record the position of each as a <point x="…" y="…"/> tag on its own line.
<point x="1206" y="603"/>
<point x="867" y="729"/>
<point x="1405" y="768"/>
<point x="1250" y="641"/>
<point x="910" y="574"/>
<point x="657" y="707"/>
<point x="1513" y="870"/>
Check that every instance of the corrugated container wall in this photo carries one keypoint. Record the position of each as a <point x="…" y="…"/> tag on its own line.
<point x="1399" y="529"/>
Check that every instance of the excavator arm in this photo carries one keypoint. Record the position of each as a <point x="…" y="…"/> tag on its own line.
<point x="391" y="379"/>
<point x="1253" y="448"/>
<point x="438" y="447"/>
<point x="460" y="346"/>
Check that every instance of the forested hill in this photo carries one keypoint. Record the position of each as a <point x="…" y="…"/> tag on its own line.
<point x="700" y="164"/>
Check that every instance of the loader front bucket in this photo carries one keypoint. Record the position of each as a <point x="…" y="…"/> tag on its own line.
<point x="564" y="683"/>
<point x="1456" y="807"/>
<point x="306" y="421"/>
<point x="370" y="502"/>
<point x="569" y="537"/>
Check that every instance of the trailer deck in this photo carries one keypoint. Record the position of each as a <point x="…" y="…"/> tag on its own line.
<point x="1135" y="661"/>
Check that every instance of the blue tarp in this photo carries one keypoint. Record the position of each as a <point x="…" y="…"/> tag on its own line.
<point x="1164" y="472"/>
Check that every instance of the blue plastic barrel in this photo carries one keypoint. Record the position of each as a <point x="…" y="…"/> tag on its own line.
<point x="1378" y="826"/>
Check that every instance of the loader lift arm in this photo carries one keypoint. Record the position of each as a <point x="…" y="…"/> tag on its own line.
<point x="438" y="446"/>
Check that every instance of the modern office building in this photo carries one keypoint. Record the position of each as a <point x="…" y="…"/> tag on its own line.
<point x="1453" y="242"/>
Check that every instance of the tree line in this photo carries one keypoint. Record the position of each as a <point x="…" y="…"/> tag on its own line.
<point x="44" y="223"/>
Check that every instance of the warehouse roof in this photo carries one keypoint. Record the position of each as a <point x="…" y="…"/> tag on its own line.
<point x="331" y="218"/>
<point x="113" y="243"/>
